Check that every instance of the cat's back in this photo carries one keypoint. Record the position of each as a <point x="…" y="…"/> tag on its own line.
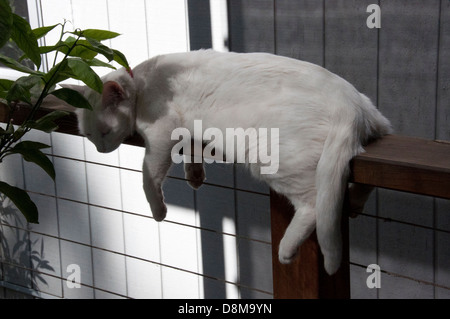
<point x="206" y="83"/>
<point x="236" y="72"/>
<point x="230" y="63"/>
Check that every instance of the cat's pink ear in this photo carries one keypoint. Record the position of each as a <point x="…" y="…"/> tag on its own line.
<point x="112" y="94"/>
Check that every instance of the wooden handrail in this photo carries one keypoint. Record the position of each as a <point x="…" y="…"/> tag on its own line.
<point x="395" y="162"/>
<point x="406" y="164"/>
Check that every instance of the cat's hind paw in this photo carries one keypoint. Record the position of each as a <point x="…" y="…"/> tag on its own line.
<point x="287" y="252"/>
<point x="286" y="259"/>
<point x="332" y="262"/>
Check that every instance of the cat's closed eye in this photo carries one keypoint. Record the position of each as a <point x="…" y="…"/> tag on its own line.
<point x="106" y="132"/>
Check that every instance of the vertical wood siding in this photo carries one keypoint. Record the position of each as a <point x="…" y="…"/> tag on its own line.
<point x="403" y="68"/>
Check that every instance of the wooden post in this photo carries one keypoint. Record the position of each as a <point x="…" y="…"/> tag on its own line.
<point x="305" y="277"/>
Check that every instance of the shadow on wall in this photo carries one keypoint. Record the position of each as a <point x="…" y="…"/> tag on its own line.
<point x="233" y="212"/>
<point x="22" y="260"/>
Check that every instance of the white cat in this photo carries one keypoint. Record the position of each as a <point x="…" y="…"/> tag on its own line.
<point x="323" y="122"/>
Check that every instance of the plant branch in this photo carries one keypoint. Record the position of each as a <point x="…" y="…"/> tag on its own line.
<point x="11" y="139"/>
<point x="60" y="39"/>
<point x="49" y="84"/>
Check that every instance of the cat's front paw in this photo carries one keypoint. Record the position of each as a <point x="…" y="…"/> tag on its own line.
<point x="195" y="175"/>
<point x="159" y="211"/>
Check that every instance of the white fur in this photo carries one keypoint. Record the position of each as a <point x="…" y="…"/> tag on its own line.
<point x="323" y="122"/>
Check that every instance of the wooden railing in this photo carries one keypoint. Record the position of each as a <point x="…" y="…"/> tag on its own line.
<point x="395" y="162"/>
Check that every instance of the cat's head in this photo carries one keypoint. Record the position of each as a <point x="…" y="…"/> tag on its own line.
<point x="113" y="116"/>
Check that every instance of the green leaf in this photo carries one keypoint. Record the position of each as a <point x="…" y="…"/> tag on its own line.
<point x="9" y="131"/>
<point x="120" y="58"/>
<point x="30" y="80"/>
<point x="21" y="89"/>
<point x="5" y="85"/>
<point x="96" y="34"/>
<point x="80" y="70"/>
<point x="100" y="48"/>
<point x="47" y="123"/>
<point x="57" y="74"/>
<point x="82" y="49"/>
<point x="25" y="39"/>
<point x="22" y="200"/>
<point x="6" y="22"/>
<point x="53" y="116"/>
<point x="97" y="62"/>
<point x="59" y="47"/>
<point x="18" y="133"/>
<point x="72" y="97"/>
<point x="30" y="152"/>
<point x="31" y="145"/>
<point x="13" y="64"/>
<point x="42" y="31"/>
<point x="79" y="48"/>
<point x="18" y="92"/>
<point x="46" y="127"/>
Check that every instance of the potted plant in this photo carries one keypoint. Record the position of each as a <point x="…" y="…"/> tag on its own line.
<point x="75" y="53"/>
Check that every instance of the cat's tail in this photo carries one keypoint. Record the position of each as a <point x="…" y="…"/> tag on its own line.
<point x="351" y="127"/>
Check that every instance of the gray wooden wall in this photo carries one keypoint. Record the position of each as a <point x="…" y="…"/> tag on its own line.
<point x="404" y="67"/>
